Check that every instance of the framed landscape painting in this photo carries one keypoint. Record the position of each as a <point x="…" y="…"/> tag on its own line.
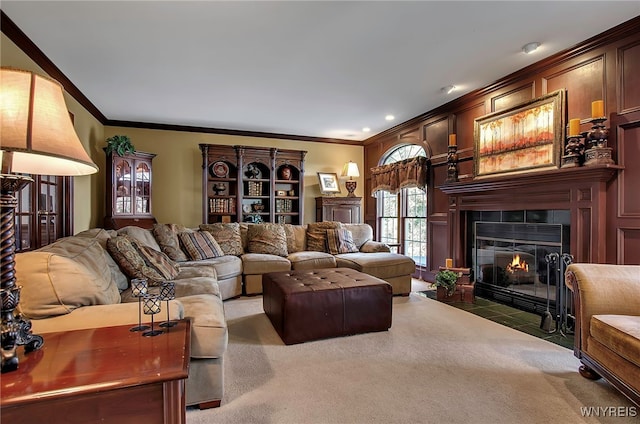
<point x="525" y="137"/>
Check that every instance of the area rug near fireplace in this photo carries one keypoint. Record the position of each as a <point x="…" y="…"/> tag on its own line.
<point x="437" y="364"/>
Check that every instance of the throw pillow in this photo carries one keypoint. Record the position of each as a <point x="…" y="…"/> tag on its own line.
<point x="340" y="241"/>
<point x="139" y="261"/>
<point x="227" y="236"/>
<point x="317" y="235"/>
<point x="268" y="239"/>
<point x="167" y="237"/>
<point x="70" y="273"/>
<point x="200" y="245"/>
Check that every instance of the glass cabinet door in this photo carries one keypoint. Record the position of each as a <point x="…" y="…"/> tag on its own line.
<point x="123" y="176"/>
<point x="143" y="188"/>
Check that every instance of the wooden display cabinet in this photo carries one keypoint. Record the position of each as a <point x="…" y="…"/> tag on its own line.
<point x="129" y="190"/>
<point x="252" y="184"/>
<point x="219" y="183"/>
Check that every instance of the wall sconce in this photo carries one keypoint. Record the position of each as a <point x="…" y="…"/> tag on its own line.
<point x="350" y="170"/>
<point x="37" y="138"/>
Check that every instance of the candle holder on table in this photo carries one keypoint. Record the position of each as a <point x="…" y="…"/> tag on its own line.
<point x="167" y="293"/>
<point x="452" y="164"/>
<point x="152" y="307"/>
<point x="598" y="153"/>
<point x="139" y="289"/>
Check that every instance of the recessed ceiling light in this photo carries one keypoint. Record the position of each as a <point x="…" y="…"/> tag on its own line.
<point x="448" y="89"/>
<point x="366" y="129"/>
<point x="530" y="47"/>
<point x="389" y="117"/>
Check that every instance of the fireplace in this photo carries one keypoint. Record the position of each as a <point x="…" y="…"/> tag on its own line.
<point x="571" y="200"/>
<point x="508" y="249"/>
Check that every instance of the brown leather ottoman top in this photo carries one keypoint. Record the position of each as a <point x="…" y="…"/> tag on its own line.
<point x="306" y="305"/>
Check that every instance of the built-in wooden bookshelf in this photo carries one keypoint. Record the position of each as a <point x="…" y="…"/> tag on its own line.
<point x="252" y="184"/>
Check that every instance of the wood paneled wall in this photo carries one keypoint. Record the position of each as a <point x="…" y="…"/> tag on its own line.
<point x="605" y="67"/>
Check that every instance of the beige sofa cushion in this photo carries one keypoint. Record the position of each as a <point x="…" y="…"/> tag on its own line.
<point x="68" y="274"/>
<point x="382" y="265"/>
<point x="620" y="333"/>
<point x="144" y="237"/>
<point x="102" y="235"/>
<point x="267" y="238"/>
<point x="227" y="236"/>
<point x="139" y="261"/>
<point x="226" y="266"/>
<point x="361" y="233"/>
<point x="311" y="260"/>
<point x="259" y="263"/>
<point x="167" y="237"/>
<point x="209" y="335"/>
<point x="102" y="316"/>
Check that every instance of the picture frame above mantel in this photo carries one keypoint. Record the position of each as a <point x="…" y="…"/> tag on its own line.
<point x="525" y="138"/>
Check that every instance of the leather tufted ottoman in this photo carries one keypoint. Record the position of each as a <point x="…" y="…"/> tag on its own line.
<point x="305" y="305"/>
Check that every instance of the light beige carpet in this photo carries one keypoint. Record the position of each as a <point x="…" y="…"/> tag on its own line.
<point x="437" y="364"/>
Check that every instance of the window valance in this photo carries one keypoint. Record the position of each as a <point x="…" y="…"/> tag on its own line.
<point x="403" y="174"/>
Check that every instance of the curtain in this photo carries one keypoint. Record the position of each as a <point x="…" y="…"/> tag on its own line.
<point x="403" y="174"/>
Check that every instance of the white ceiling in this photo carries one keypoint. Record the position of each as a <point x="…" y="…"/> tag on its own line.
<point x="320" y="69"/>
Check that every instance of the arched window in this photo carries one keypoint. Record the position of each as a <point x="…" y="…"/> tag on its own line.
<point x="402" y="217"/>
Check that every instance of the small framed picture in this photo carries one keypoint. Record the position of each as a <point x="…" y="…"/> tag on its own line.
<point x="328" y="182"/>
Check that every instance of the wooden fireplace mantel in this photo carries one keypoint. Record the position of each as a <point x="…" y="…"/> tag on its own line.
<point x="581" y="190"/>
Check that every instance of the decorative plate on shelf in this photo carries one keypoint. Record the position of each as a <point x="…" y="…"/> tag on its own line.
<point x="246" y="208"/>
<point x="219" y="169"/>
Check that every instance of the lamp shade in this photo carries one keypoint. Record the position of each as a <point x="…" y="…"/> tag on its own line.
<point x="350" y="169"/>
<point x="36" y="127"/>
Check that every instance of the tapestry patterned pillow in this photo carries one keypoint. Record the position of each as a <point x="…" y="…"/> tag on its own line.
<point x="139" y="261"/>
<point x="317" y="235"/>
<point x="200" y="245"/>
<point x="268" y="239"/>
<point x="167" y="237"/>
<point x="227" y="236"/>
<point x="340" y="241"/>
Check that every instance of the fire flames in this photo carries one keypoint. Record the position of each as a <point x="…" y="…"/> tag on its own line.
<point x="518" y="264"/>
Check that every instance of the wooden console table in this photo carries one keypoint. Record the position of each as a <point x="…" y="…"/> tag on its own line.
<point x="107" y="375"/>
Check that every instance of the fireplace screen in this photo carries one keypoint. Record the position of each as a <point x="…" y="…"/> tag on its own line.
<point x="511" y="256"/>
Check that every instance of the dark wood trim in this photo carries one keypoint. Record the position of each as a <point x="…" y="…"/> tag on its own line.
<point x="628" y="28"/>
<point x="16" y="35"/>
<point x="222" y="131"/>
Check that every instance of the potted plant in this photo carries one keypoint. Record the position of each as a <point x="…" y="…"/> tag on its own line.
<point x="446" y="279"/>
<point x="120" y="144"/>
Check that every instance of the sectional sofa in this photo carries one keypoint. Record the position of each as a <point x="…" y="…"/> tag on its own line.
<point x="83" y="281"/>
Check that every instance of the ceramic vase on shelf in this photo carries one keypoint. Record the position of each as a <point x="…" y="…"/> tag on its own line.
<point x="285" y="173"/>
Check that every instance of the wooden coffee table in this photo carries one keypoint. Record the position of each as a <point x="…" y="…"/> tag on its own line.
<point x="107" y="375"/>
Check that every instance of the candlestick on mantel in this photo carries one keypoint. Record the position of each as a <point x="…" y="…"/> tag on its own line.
<point x="574" y="127"/>
<point x="452" y="139"/>
<point x="597" y="109"/>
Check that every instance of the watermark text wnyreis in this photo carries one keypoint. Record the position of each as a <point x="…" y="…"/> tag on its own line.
<point x="609" y="411"/>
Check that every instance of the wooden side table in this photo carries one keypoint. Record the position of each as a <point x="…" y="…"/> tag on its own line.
<point x="107" y="375"/>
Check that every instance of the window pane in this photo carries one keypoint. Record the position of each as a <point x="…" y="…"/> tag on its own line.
<point x="389" y="230"/>
<point x="415" y="243"/>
